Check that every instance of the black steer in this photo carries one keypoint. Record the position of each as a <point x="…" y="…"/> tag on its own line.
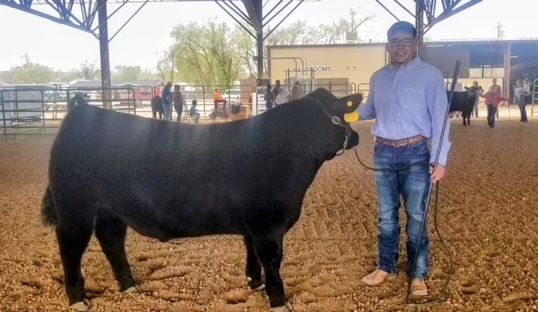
<point x="157" y="107"/>
<point x="463" y="101"/>
<point x="166" y="180"/>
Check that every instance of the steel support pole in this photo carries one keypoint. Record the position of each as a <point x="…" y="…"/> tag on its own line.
<point x="259" y="36"/>
<point x="104" y="51"/>
<point x="419" y="25"/>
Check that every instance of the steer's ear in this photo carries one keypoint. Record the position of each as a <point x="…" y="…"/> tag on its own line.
<point x="348" y="103"/>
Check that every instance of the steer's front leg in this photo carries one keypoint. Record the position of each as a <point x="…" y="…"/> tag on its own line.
<point x="269" y="251"/>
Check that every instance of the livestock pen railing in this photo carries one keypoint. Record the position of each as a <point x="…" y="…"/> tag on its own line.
<point x="31" y="110"/>
<point x="40" y="109"/>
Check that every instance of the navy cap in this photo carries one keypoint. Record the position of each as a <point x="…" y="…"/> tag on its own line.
<point x="401" y="26"/>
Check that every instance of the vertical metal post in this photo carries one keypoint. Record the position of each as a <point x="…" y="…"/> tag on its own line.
<point x="419" y="25"/>
<point x="507" y="51"/>
<point x="105" y="59"/>
<point x="259" y="36"/>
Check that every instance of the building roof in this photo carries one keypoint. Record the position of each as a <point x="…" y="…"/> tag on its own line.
<point x="119" y="83"/>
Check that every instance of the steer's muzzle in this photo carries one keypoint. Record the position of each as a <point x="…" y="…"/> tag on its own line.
<point x="353" y="140"/>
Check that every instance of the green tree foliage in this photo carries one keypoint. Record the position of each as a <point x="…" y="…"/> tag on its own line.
<point x="88" y="71"/>
<point x="31" y="73"/>
<point x="300" y="33"/>
<point x="204" y="54"/>
<point x="130" y="73"/>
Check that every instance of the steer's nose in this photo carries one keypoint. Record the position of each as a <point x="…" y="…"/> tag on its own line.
<point x="353" y="140"/>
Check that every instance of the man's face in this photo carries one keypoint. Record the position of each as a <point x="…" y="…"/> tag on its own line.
<point x="401" y="47"/>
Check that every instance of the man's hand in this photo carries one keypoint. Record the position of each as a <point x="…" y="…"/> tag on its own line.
<point x="437" y="173"/>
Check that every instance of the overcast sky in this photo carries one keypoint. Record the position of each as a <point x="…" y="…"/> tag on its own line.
<point x="148" y="34"/>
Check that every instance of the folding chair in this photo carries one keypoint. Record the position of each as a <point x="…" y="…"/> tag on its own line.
<point x="185" y="116"/>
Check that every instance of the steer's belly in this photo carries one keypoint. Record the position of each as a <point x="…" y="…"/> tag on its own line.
<point x="165" y="224"/>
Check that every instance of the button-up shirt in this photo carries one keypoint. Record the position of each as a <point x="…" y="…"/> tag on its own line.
<point x="409" y="101"/>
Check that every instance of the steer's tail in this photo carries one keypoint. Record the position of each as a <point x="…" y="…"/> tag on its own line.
<point x="48" y="212"/>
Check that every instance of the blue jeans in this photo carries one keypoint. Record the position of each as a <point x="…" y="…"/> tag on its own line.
<point x="167" y="111"/>
<point x="492" y="111"/>
<point x="523" y="112"/>
<point x="412" y="185"/>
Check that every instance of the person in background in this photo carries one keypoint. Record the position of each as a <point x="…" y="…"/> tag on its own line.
<point x="493" y="100"/>
<point x="178" y="101"/>
<point x="408" y="101"/>
<point x="276" y="90"/>
<point x="269" y="98"/>
<point x="475" y="89"/>
<point x="282" y="97"/>
<point x="296" y="91"/>
<point x="193" y="112"/>
<point x="217" y="96"/>
<point x="528" y="88"/>
<point x="166" y="98"/>
<point x="520" y="98"/>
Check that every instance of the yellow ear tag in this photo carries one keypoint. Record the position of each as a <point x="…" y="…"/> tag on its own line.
<point x="349" y="103"/>
<point x="351" y="117"/>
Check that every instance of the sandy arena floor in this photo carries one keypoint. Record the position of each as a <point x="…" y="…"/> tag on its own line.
<point x="487" y="214"/>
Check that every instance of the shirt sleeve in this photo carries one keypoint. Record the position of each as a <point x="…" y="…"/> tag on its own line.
<point x="438" y="107"/>
<point x="367" y="111"/>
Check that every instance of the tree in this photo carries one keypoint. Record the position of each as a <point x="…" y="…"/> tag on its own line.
<point x="88" y="71"/>
<point x="204" y="54"/>
<point x="31" y="72"/>
<point x="129" y="73"/>
<point x="299" y="33"/>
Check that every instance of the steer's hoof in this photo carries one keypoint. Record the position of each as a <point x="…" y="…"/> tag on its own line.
<point x="81" y="306"/>
<point x="285" y="308"/>
<point x="133" y="289"/>
<point x="261" y="287"/>
<point x="256" y="286"/>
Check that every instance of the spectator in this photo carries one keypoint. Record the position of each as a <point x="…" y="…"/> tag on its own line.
<point x="408" y="102"/>
<point x="475" y="89"/>
<point x="167" y="101"/>
<point x="520" y="94"/>
<point x="296" y="91"/>
<point x="276" y="90"/>
<point x="282" y="97"/>
<point x="269" y="98"/>
<point x="528" y="88"/>
<point x="178" y="101"/>
<point x="193" y="112"/>
<point x="493" y="99"/>
<point x="217" y="96"/>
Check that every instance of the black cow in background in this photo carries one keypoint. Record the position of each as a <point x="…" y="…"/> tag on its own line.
<point x="166" y="180"/>
<point x="157" y="107"/>
<point x="463" y="101"/>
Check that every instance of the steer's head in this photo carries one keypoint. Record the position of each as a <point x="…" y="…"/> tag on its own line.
<point x="341" y="111"/>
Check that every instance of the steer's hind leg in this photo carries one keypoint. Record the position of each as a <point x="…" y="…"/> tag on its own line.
<point x="73" y="239"/>
<point x="111" y="231"/>
<point x="269" y="251"/>
<point x="253" y="269"/>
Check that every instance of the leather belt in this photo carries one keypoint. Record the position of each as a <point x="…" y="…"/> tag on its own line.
<point x="401" y="142"/>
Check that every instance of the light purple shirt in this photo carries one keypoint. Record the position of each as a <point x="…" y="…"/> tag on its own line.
<point x="409" y="101"/>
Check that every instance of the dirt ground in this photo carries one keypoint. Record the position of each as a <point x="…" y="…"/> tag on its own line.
<point x="487" y="214"/>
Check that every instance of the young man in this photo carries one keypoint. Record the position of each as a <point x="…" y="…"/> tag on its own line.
<point x="408" y="100"/>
